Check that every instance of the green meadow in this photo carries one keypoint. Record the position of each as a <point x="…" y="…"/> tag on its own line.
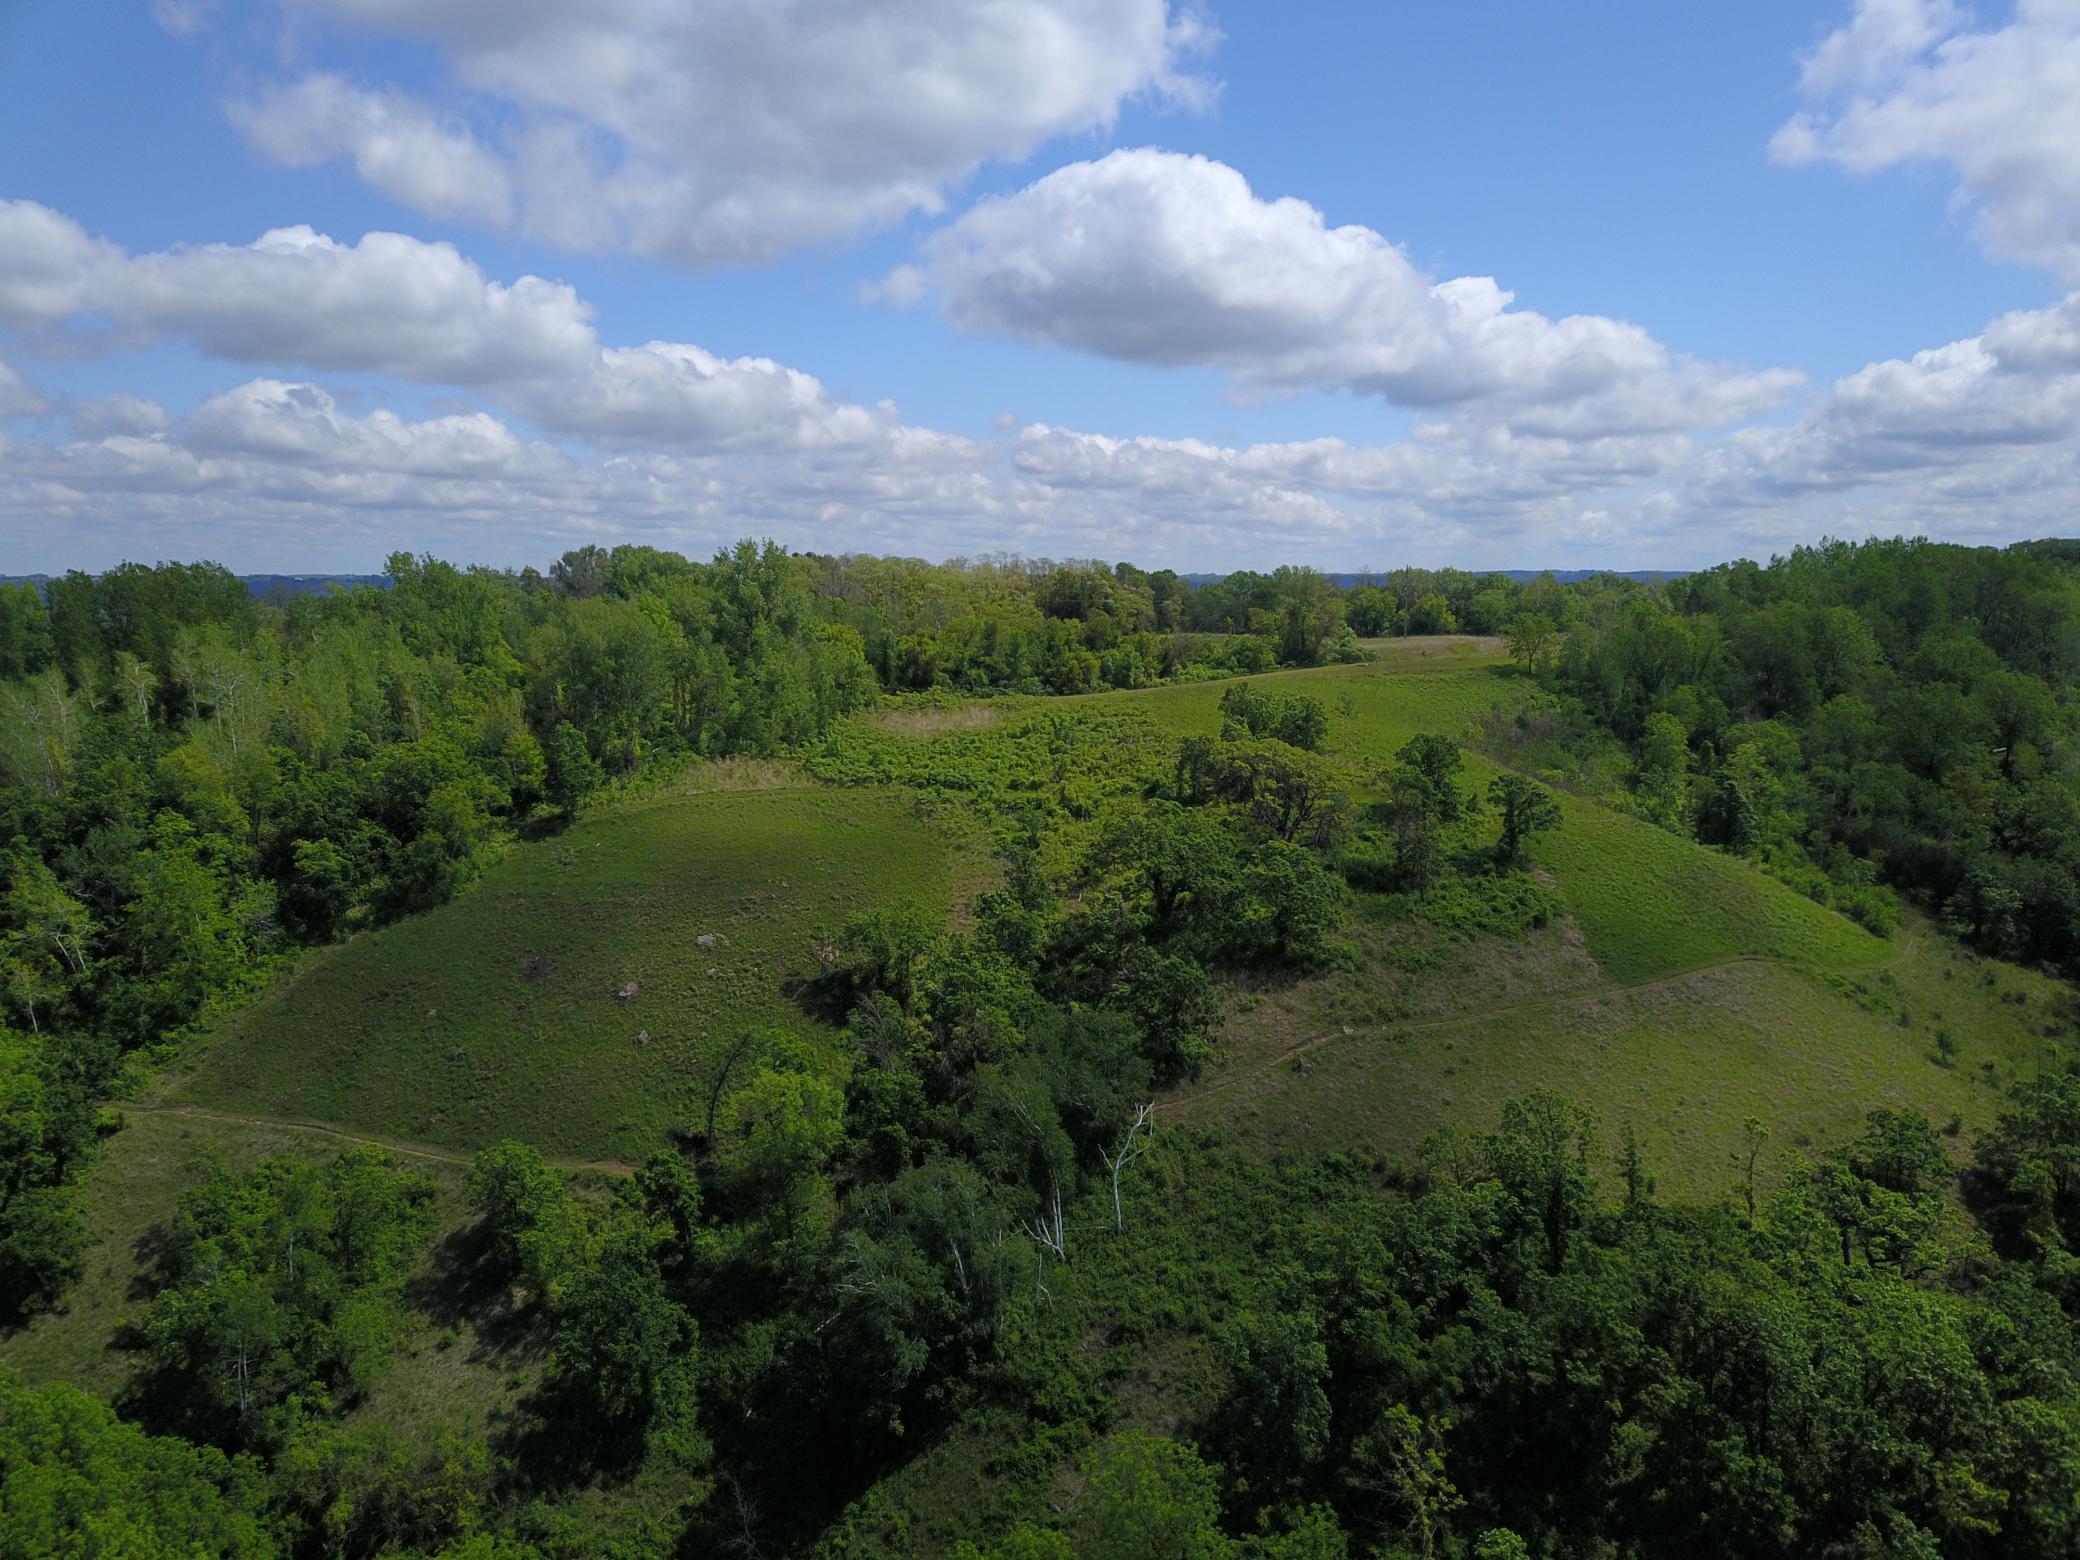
<point x="583" y="996"/>
<point x="1681" y="991"/>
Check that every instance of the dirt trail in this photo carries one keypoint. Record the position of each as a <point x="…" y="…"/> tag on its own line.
<point x="388" y="1145"/>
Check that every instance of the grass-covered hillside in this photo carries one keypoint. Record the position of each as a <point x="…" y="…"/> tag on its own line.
<point x="586" y="994"/>
<point x="1680" y="990"/>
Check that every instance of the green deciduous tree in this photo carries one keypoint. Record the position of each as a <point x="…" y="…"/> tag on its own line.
<point x="1525" y="808"/>
<point x="78" y="1483"/>
<point x="1532" y="636"/>
<point x="623" y="1352"/>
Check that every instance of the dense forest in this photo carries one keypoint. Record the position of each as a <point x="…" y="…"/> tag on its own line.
<point x="1507" y="1344"/>
<point x="1896" y="713"/>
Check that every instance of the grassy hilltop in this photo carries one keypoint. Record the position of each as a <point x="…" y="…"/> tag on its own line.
<point x="503" y="1014"/>
<point x="1682" y="991"/>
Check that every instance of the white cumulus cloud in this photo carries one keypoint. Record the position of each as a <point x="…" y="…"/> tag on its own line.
<point x="399" y="146"/>
<point x="119" y="413"/>
<point x="731" y="131"/>
<point x="17" y="399"/>
<point x="397" y="305"/>
<point x="1910" y="81"/>
<point x="1157" y="257"/>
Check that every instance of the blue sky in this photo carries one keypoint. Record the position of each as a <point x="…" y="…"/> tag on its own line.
<point x="1199" y="286"/>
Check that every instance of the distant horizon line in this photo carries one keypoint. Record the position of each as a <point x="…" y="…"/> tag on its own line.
<point x="1575" y="571"/>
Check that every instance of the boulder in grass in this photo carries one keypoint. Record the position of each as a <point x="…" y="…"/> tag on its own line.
<point x="625" y="992"/>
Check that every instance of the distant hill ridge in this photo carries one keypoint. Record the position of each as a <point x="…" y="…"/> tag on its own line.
<point x="263" y="585"/>
<point x="259" y="586"/>
<point x="1520" y="576"/>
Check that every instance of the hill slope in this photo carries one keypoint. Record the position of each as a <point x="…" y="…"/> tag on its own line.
<point x="502" y="1013"/>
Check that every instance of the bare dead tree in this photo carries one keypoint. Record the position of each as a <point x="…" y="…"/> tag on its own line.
<point x="241" y="1371"/>
<point x="1131" y="1149"/>
<point x="744" y="1514"/>
<point x="1046" y="1226"/>
<point x="69" y="949"/>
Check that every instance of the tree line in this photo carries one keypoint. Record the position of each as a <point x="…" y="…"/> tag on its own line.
<point x="1510" y="1347"/>
<point x="1864" y="720"/>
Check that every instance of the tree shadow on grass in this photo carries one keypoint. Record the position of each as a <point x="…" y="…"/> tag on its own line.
<point x="148" y="1251"/>
<point x="548" y="1443"/>
<point x="828" y="998"/>
<point x="546" y="823"/>
<point x="462" y="1286"/>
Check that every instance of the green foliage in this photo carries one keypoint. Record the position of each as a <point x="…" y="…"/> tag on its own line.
<point x="1426" y="779"/>
<point x="372" y="1490"/>
<point x="774" y="1136"/>
<point x="1278" y="1404"/>
<point x="518" y="1202"/>
<point x="1890" y="708"/>
<point x="950" y="1232"/>
<point x="1146" y="1495"/>
<point x="1532" y="636"/>
<point x="572" y="772"/>
<point x="278" y="1290"/>
<point x="1525" y="808"/>
<point x="1470" y="905"/>
<point x="76" y="1482"/>
<point x="624" y="1350"/>
<point x="1431" y="614"/>
<point x="1289" y="793"/>
<point x="2030" y="1165"/>
<point x="47" y="1133"/>
<point x="1370" y="611"/>
<point x="1295" y="719"/>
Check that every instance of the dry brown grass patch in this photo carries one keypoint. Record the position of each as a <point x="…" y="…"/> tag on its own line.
<point x="932" y="720"/>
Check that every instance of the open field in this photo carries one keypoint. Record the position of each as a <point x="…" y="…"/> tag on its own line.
<point x="1356" y="1059"/>
<point x="1409" y="651"/>
<point x="502" y="1014"/>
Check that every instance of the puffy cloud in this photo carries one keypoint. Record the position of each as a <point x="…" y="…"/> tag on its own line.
<point x="421" y="311"/>
<point x="655" y="393"/>
<point x="285" y="472"/>
<point x="1906" y="82"/>
<point x="282" y="469"/>
<point x="1986" y="416"/>
<point x="49" y="267"/>
<point x="1881" y="38"/>
<point x="389" y="304"/>
<point x="302" y="425"/>
<point x="399" y="146"/>
<point x="675" y="445"/>
<point x="1457" y="475"/>
<point x="115" y="414"/>
<point x="16" y="398"/>
<point x="735" y="130"/>
<point x="1977" y="439"/>
<point x="1157" y="257"/>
